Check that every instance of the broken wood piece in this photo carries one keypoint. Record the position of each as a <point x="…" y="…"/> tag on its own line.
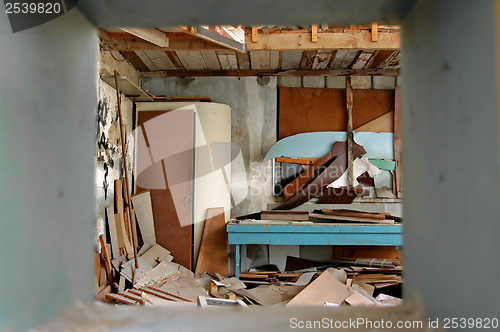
<point x="120" y="298"/>
<point x="255" y="34"/>
<point x="326" y="218"/>
<point x="326" y="288"/>
<point x="358" y="299"/>
<point x="167" y="279"/>
<point x="97" y="266"/>
<point x="106" y="257"/>
<point x="110" y="217"/>
<point x="212" y="256"/>
<point x="342" y="195"/>
<point x="118" y="196"/>
<point x="352" y="213"/>
<point x="314" y="33"/>
<point x="169" y="294"/>
<point x="102" y="294"/>
<point x="284" y="215"/>
<point x="294" y="161"/>
<point x="374" y="32"/>
<point x="158" y="294"/>
<point x="134" y="230"/>
<point x="159" y="272"/>
<point x="123" y="241"/>
<point x="133" y="297"/>
<point x="144" y="215"/>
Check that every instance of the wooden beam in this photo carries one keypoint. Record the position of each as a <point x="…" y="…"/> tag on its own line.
<point x="374" y="32"/>
<point x="136" y="44"/>
<point x="397" y="140"/>
<point x="321" y="72"/>
<point x="326" y="40"/>
<point x="349" y="102"/>
<point x="255" y="34"/>
<point x="153" y="36"/>
<point x="314" y="33"/>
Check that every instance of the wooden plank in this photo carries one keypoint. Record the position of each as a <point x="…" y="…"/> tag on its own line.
<point x="106" y="258"/>
<point x="314" y="33"/>
<point x="285" y="215"/>
<point x="211" y="60"/>
<point x="326" y="40"/>
<point x="191" y="60"/>
<point x="127" y="87"/>
<point x="325" y="217"/>
<point x="260" y="59"/>
<point x="120" y="230"/>
<point x="374" y="32"/>
<point x="102" y="294"/>
<point x="118" y="196"/>
<point x="350" y="139"/>
<point x="146" y="60"/>
<point x="160" y="60"/>
<point x="295" y="161"/>
<point x="228" y="61"/>
<point x="380" y="57"/>
<point x="110" y="217"/>
<point x="120" y="298"/>
<point x="349" y="59"/>
<point x="153" y="36"/>
<point x="268" y="72"/>
<point x="352" y="213"/>
<point x="176" y="44"/>
<point x="307" y="59"/>
<point x="144" y="215"/>
<point x="134" y="230"/>
<point x="322" y="59"/>
<point x="255" y="34"/>
<point x="169" y="294"/>
<point x="363" y="59"/>
<point x="243" y="60"/>
<point x="132" y="296"/>
<point x="338" y="58"/>
<point x="291" y="59"/>
<point x="397" y="141"/>
<point x="157" y="294"/>
<point x="97" y="266"/>
<point x="212" y="257"/>
<point x="134" y="60"/>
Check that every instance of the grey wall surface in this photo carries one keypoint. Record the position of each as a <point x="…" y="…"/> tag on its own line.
<point x="253" y="104"/>
<point x="47" y="165"/>
<point x="450" y="135"/>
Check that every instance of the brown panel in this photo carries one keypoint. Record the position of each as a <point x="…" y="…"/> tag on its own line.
<point x="370" y="104"/>
<point x="303" y="110"/>
<point x="168" y="230"/>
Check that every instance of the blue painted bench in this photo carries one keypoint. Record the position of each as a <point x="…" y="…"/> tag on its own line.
<point x="306" y="233"/>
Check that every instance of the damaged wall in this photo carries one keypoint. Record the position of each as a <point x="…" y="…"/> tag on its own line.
<point x="109" y="162"/>
<point x="253" y="126"/>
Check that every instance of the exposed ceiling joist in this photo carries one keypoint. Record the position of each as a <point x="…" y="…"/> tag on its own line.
<point x="153" y="36"/>
<point x="325" y="40"/>
<point x="332" y="72"/>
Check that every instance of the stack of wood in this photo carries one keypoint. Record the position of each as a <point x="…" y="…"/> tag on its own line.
<point x="341" y="215"/>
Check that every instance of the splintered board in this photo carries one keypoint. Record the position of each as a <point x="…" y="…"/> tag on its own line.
<point x="212" y="257"/>
<point x="303" y="110"/>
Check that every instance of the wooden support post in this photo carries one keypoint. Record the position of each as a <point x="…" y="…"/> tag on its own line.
<point x="349" y="103"/>
<point x="314" y="33"/>
<point x="255" y="34"/>
<point x="374" y="32"/>
<point x="397" y="141"/>
<point x="124" y="156"/>
<point x="106" y="258"/>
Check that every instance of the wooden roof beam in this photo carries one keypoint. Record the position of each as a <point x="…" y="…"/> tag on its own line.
<point x="153" y="36"/>
<point x="298" y="72"/>
<point x="361" y="40"/>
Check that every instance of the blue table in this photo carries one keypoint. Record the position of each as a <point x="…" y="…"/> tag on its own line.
<point x="307" y="233"/>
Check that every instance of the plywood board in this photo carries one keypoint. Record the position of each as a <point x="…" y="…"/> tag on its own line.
<point x="110" y="217"/>
<point x="144" y="214"/>
<point x="212" y="257"/>
<point x="304" y="110"/>
<point x="326" y="288"/>
<point x="172" y="207"/>
<point x="382" y="124"/>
